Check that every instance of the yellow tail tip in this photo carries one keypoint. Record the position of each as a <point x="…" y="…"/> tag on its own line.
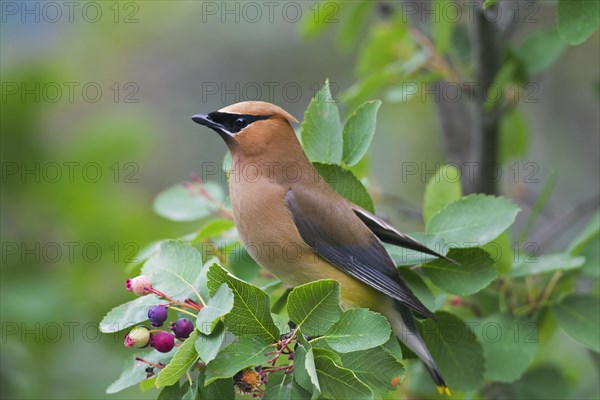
<point x="444" y="390"/>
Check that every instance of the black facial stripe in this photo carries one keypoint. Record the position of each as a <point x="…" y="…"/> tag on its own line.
<point x="228" y="121"/>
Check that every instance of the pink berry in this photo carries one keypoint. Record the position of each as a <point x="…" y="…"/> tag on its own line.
<point x="137" y="337"/>
<point x="140" y="285"/>
<point x="162" y="341"/>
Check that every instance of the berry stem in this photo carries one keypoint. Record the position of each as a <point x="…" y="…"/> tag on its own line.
<point x="184" y="311"/>
<point x="283" y="345"/>
<point x="174" y="301"/>
<point x="159" y="365"/>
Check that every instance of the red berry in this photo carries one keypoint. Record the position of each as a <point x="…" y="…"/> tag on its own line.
<point x="162" y="341"/>
<point x="157" y="315"/>
<point x="182" y="328"/>
<point x="140" y="285"/>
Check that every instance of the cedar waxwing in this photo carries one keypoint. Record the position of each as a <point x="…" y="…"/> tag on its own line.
<point x="299" y="229"/>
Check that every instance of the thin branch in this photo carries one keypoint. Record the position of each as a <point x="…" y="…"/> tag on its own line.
<point x="486" y="54"/>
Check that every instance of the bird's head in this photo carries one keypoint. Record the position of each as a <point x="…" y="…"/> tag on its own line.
<point x="250" y="127"/>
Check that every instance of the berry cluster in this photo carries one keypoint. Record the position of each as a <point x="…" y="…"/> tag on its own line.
<point x="161" y="340"/>
<point x="249" y="381"/>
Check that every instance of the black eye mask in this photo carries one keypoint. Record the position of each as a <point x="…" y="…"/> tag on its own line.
<point x="234" y="123"/>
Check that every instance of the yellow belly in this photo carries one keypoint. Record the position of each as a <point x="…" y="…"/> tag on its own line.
<point x="353" y="292"/>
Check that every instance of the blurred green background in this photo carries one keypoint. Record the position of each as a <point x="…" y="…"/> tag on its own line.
<point x="95" y="121"/>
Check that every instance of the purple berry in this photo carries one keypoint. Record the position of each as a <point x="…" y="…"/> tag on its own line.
<point x="182" y="328"/>
<point x="162" y="341"/>
<point x="157" y="315"/>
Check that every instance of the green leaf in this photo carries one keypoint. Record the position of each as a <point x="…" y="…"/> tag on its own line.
<point x="213" y="228"/>
<point x="217" y="307"/>
<point x="208" y="346"/>
<point x="147" y="384"/>
<point x="315" y="306"/>
<point x="172" y="392"/>
<point x="320" y="17"/>
<point x="507" y="74"/>
<point x="281" y="321"/>
<point x="539" y="205"/>
<point x="321" y="130"/>
<point x="441" y="30"/>
<point x="190" y="202"/>
<point x="129" y="314"/>
<point x="239" y="262"/>
<point x="384" y="45"/>
<point x="375" y="367"/>
<point x="418" y="287"/>
<point x="325" y="352"/>
<point x="393" y="347"/>
<point x="250" y="315"/>
<point x="403" y="256"/>
<point x="358" y="329"/>
<point x="543" y="383"/>
<point x="174" y="269"/>
<point x="474" y="272"/>
<point x="305" y="371"/>
<point x="509" y="345"/>
<point x="366" y="88"/>
<point x="540" y="50"/>
<point x="591" y="268"/>
<point x="352" y="24"/>
<point x="546" y="264"/>
<point x="359" y="131"/>
<point x="190" y="394"/>
<point x="391" y="75"/>
<point x="455" y="350"/>
<point x="577" y="20"/>
<point x="402" y="92"/>
<point x="587" y="235"/>
<point x="346" y="184"/>
<point x="201" y="283"/>
<point x="488" y="3"/>
<point x="339" y="383"/>
<point x="579" y="316"/>
<point x="514" y="136"/>
<point x="221" y="389"/>
<point x="244" y="353"/>
<point x="279" y="386"/>
<point x="134" y="371"/>
<point x="183" y="359"/>
<point x="473" y="220"/>
<point x="298" y="392"/>
<point x="501" y="252"/>
<point x="282" y="386"/>
<point x="442" y="189"/>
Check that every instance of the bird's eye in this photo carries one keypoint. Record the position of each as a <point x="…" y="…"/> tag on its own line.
<point x="241" y="123"/>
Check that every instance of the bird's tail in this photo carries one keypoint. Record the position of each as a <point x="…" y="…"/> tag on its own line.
<point x="405" y="328"/>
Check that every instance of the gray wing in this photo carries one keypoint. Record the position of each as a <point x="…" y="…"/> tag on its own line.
<point x="341" y="238"/>
<point x="388" y="234"/>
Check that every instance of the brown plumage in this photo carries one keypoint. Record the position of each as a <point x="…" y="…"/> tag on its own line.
<point x="299" y="229"/>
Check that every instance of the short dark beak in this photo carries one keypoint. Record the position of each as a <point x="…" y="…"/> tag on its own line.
<point x="204" y="119"/>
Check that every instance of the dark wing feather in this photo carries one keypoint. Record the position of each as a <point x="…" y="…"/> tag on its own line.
<point x="338" y="236"/>
<point x="388" y="234"/>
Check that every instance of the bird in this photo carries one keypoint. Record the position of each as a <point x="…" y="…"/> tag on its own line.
<point x="300" y="230"/>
